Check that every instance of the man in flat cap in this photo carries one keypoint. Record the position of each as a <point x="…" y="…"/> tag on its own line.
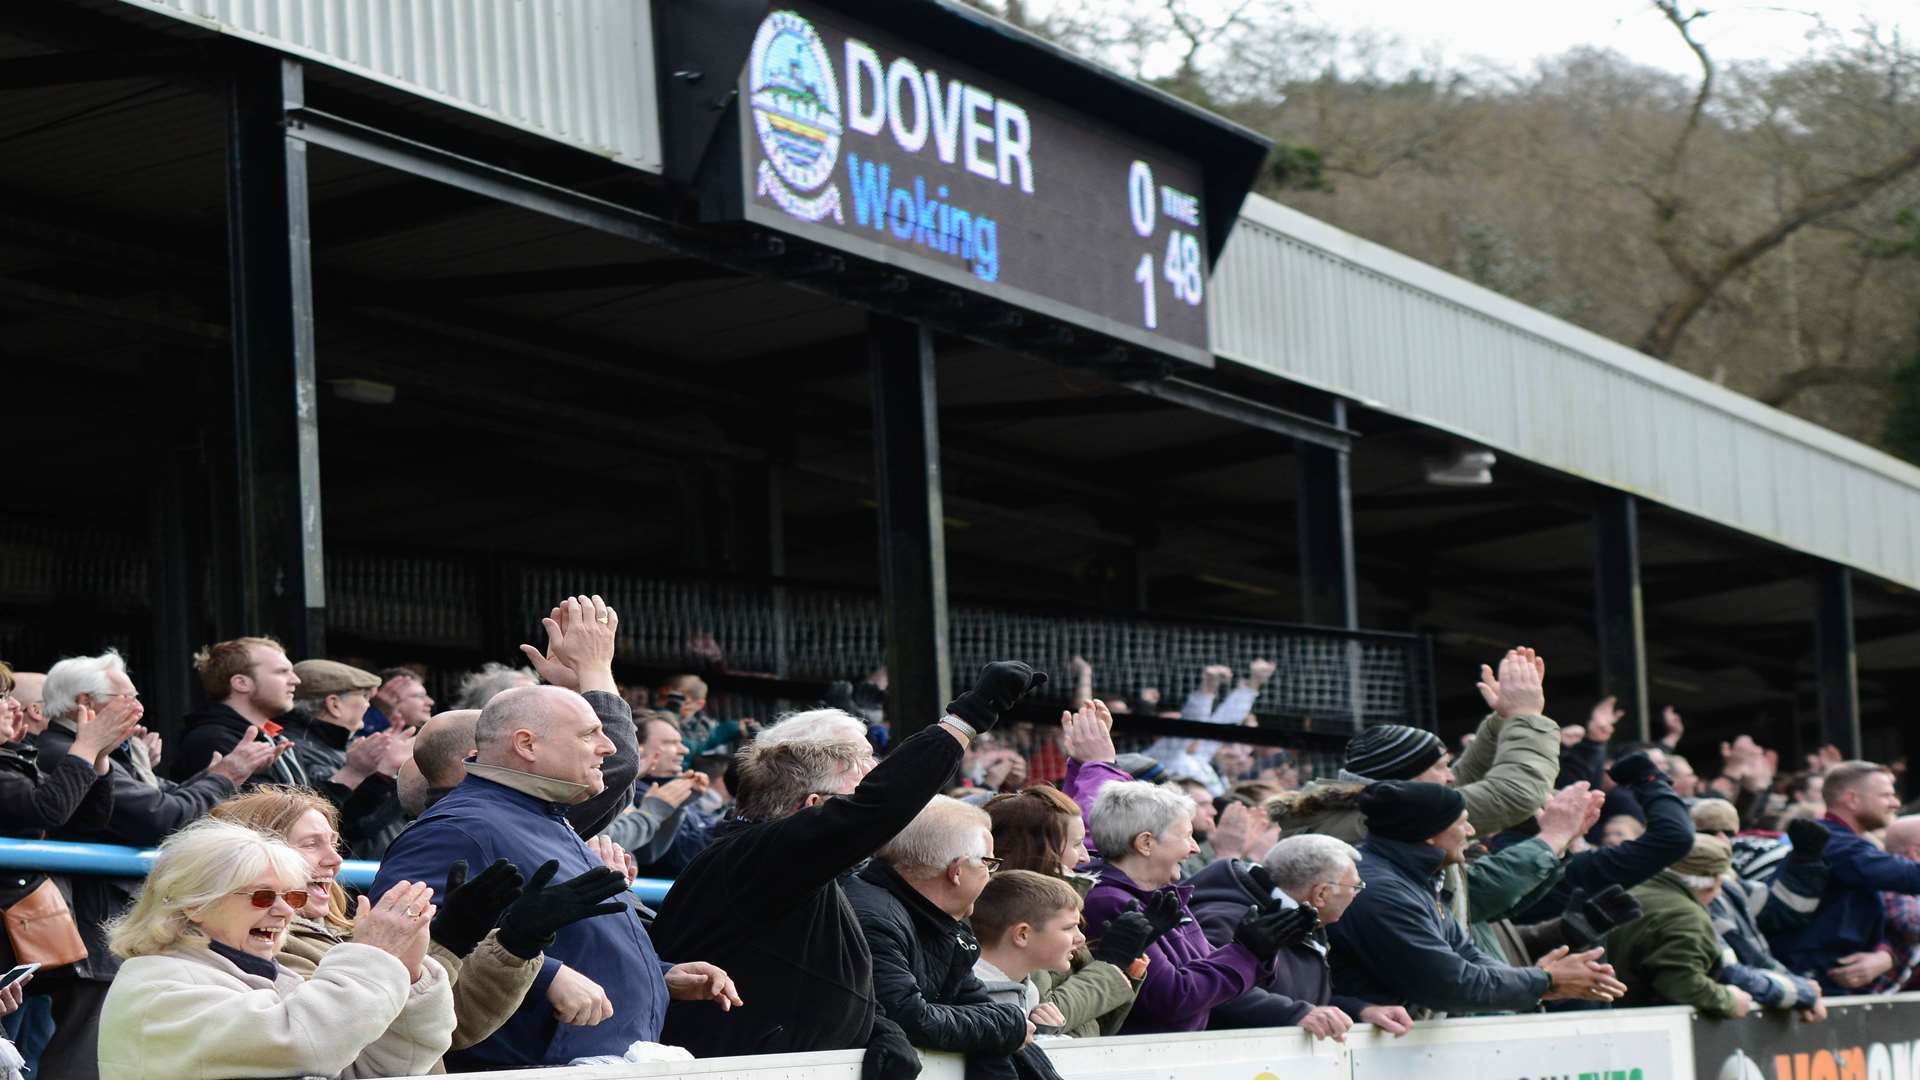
<point x="356" y="775"/>
<point x="1397" y="944"/>
<point x="1671" y="954"/>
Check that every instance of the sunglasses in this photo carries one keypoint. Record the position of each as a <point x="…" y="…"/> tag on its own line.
<point x="264" y="898"/>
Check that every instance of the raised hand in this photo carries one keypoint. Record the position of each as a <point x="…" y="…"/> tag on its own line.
<point x="471" y="908"/>
<point x="1124" y="939"/>
<point x="1213" y="677"/>
<point x="1232" y="831"/>
<point x="152" y="741"/>
<point x="1560" y="819"/>
<point x="244" y="760"/>
<point x="613" y="856"/>
<point x="97" y="733"/>
<point x="1601" y="722"/>
<point x="1258" y="673"/>
<point x="999" y="686"/>
<point x="529" y="924"/>
<point x="548" y="664"/>
<point x="1676" y="727"/>
<point x="588" y="644"/>
<point x="1522" y="689"/>
<point x="399" y="751"/>
<point x="1088" y="734"/>
<point x="398" y="924"/>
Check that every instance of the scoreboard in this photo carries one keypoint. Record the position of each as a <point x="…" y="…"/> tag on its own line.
<point x="895" y="153"/>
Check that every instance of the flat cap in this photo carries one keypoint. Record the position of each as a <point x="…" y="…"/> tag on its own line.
<point x="318" y="678"/>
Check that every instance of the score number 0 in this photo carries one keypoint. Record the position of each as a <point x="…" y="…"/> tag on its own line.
<point x="1181" y="267"/>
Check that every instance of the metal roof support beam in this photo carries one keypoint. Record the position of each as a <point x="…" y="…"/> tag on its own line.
<point x="274" y="507"/>
<point x="1329" y="581"/>
<point x="1835" y="660"/>
<point x="1619" y="621"/>
<point x="913" y="547"/>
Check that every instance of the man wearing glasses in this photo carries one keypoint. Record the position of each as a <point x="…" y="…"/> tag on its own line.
<point x="912" y="901"/>
<point x="1296" y="990"/>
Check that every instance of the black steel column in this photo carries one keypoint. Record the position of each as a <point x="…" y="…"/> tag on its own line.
<point x="1618" y="623"/>
<point x="1329" y="595"/>
<point x="174" y="517"/>
<point x="1834" y="659"/>
<point x="913" y="549"/>
<point x="281" y="587"/>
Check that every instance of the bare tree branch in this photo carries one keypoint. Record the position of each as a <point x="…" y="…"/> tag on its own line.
<point x="1794" y="383"/>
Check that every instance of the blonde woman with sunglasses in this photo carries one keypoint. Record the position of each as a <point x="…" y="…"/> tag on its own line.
<point x="200" y="993"/>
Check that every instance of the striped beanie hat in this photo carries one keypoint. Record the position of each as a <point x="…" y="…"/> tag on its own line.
<point x="1393" y="752"/>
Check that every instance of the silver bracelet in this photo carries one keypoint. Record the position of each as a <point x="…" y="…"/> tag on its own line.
<point x="964" y="727"/>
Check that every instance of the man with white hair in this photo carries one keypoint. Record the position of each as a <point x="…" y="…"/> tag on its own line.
<point x="493" y="679"/>
<point x="146" y="809"/>
<point x="912" y="901"/>
<point x="1308" y="870"/>
<point x="812" y="806"/>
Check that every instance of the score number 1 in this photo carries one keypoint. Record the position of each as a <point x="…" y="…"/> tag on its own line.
<point x="1180" y="267"/>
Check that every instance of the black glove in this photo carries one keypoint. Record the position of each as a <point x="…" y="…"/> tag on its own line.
<point x="1588" y="918"/>
<point x="890" y="1056"/>
<point x="1267" y="932"/>
<point x="1809" y="840"/>
<point x="1163" y="911"/>
<point x="1000" y="684"/>
<point x="529" y="923"/>
<point x="1125" y="939"/>
<point x="468" y="909"/>
<point x="1634" y="769"/>
<point x="1262" y="881"/>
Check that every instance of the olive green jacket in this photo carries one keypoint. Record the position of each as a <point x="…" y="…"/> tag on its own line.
<point x="1093" y="996"/>
<point x="1669" y="954"/>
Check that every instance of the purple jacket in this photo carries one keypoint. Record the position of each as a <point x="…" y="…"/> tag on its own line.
<point x="1187" y="976"/>
<point x="1084" y="781"/>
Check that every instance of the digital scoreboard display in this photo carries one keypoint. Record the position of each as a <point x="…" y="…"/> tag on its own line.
<point x="897" y="154"/>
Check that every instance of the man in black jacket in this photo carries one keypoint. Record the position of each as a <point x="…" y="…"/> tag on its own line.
<point x="1669" y="837"/>
<point x="765" y="900"/>
<point x="911" y="901"/>
<point x="146" y="810"/>
<point x="250" y="683"/>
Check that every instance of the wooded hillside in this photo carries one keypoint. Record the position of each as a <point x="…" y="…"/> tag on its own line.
<point x="1756" y="224"/>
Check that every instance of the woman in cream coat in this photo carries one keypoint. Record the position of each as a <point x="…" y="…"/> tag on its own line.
<point x="200" y="996"/>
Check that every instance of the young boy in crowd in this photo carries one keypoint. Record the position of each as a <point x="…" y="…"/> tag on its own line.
<point x="1026" y="922"/>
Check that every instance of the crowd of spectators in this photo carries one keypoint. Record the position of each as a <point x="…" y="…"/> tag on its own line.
<point x="977" y="887"/>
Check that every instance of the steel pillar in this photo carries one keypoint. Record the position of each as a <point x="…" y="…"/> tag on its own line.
<point x="913" y="552"/>
<point x="278" y="571"/>
<point x="1329" y="594"/>
<point x="1834" y="660"/>
<point x="1619" y="624"/>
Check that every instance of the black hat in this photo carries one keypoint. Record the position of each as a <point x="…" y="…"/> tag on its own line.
<point x="1410" y="811"/>
<point x="1393" y="752"/>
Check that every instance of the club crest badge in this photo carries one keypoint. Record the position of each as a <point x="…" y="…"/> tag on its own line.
<point x="796" y="112"/>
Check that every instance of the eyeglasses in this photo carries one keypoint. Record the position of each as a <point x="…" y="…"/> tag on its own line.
<point x="1358" y="887"/>
<point x="264" y="898"/>
<point x="992" y="864"/>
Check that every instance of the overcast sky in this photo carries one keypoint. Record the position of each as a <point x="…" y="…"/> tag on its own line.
<point x="1515" y="32"/>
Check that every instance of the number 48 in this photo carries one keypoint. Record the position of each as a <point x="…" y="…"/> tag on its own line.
<point x="1182" y="267"/>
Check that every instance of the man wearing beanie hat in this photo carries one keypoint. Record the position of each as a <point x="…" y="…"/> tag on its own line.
<point x="1671" y="955"/>
<point x="1397" y="945"/>
<point x="1744" y="909"/>
<point x="1506" y="775"/>
<point x="358" y="777"/>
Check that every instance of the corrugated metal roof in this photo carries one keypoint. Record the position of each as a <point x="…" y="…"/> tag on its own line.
<point x="576" y="71"/>
<point x="1299" y="298"/>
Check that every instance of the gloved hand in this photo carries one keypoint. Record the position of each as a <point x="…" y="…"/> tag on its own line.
<point x="1588" y="918"/>
<point x="1163" y="911"/>
<point x="1262" y="881"/>
<point x="1125" y="939"/>
<point x="890" y="1056"/>
<point x="1265" y="933"/>
<point x="529" y="923"/>
<point x="468" y="909"/>
<point x="1809" y="840"/>
<point x="1634" y="769"/>
<point x="1000" y="684"/>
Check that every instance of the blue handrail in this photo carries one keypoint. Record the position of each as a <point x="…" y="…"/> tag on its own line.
<point x="112" y="860"/>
